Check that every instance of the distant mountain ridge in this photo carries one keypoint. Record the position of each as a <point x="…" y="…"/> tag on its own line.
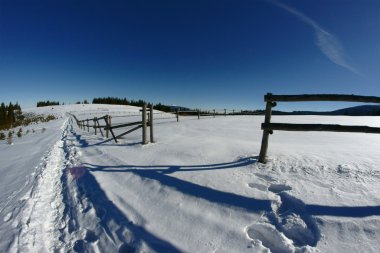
<point x="361" y="110"/>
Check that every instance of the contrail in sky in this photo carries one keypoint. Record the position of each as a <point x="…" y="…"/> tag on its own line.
<point x="327" y="42"/>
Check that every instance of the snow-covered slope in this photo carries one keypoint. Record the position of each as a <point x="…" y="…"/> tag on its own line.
<point x="199" y="188"/>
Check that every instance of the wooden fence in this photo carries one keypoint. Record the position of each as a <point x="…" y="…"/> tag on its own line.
<point x="271" y="100"/>
<point x="213" y="113"/>
<point x="146" y="121"/>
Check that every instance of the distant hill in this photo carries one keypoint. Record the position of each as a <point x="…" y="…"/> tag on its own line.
<point x="362" y="110"/>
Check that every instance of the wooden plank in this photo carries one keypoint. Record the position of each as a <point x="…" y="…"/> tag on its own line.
<point x="109" y="126"/>
<point x="94" y="125"/>
<point x="321" y="97"/>
<point x="188" y="111"/>
<point x="129" y="131"/>
<point x="125" y="125"/>
<point x="107" y="130"/>
<point x="144" y="125"/>
<point x="151" y="124"/>
<point x="100" y="129"/>
<point x="320" y="127"/>
<point x="266" y="132"/>
<point x="98" y="118"/>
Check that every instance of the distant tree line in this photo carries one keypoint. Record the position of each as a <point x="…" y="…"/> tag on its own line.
<point x="124" y="101"/>
<point x="9" y="114"/>
<point x="46" y="103"/>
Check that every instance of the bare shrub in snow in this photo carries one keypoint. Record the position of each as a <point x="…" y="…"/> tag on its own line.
<point x="10" y="137"/>
<point x="19" y="133"/>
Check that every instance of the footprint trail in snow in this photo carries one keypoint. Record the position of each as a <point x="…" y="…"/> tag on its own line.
<point x="288" y="227"/>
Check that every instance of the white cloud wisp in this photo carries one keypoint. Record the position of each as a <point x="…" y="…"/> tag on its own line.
<point x="327" y="42"/>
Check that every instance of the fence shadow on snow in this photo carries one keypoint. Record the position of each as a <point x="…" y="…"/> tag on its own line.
<point x="161" y="173"/>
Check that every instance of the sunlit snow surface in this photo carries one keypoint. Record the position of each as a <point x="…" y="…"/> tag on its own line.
<point x="199" y="188"/>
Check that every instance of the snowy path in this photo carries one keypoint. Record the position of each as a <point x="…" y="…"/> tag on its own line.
<point x="41" y="220"/>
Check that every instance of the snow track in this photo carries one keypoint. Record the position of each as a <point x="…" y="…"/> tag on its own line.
<point x="40" y="222"/>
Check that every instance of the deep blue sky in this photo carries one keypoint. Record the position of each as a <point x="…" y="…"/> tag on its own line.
<point x="208" y="54"/>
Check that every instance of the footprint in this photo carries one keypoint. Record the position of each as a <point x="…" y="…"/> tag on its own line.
<point x="288" y="227"/>
<point x="265" y="177"/>
<point x="125" y="248"/>
<point x="270" y="237"/>
<point x="296" y="229"/>
<point x="277" y="188"/>
<point x="260" y="187"/>
<point x="295" y="222"/>
<point x="90" y="236"/>
<point x="7" y="217"/>
<point x="79" y="246"/>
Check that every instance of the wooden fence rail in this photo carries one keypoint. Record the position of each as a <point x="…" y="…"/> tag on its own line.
<point x="320" y="127"/>
<point x="108" y="127"/>
<point x="271" y="100"/>
<point x="201" y="113"/>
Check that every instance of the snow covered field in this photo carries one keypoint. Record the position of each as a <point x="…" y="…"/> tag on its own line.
<point x="197" y="189"/>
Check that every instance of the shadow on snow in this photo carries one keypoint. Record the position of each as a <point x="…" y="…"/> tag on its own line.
<point x="160" y="173"/>
<point x="109" y="213"/>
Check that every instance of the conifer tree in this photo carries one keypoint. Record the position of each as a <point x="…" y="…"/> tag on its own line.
<point x="11" y="115"/>
<point x="3" y="114"/>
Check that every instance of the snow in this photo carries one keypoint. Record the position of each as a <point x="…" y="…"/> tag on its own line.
<point x="198" y="188"/>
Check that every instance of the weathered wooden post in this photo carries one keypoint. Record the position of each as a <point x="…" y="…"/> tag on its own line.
<point x="266" y="132"/>
<point x="177" y="111"/>
<point x="107" y="129"/>
<point x="233" y="112"/>
<point x="144" y="125"/>
<point x="199" y="114"/>
<point x="94" y="124"/>
<point x="108" y="123"/>
<point x="151" y="124"/>
<point x="225" y="112"/>
<point x="100" y="129"/>
<point x="214" y="113"/>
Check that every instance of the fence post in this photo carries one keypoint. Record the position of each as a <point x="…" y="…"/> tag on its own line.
<point x="88" y="126"/>
<point x="177" y="111"/>
<point x="108" y="123"/>
<point x="214" y="113"/>
<point x="151" y="124"/>
<point x="107" y="130"/>
<point x="144" y="125"/>
<point x="94" y="124"/>
<point x="100" y="129"/>
<point x="225" y="112"/>
<point x="264" y="142"/>
<point x="199" y="114"/>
